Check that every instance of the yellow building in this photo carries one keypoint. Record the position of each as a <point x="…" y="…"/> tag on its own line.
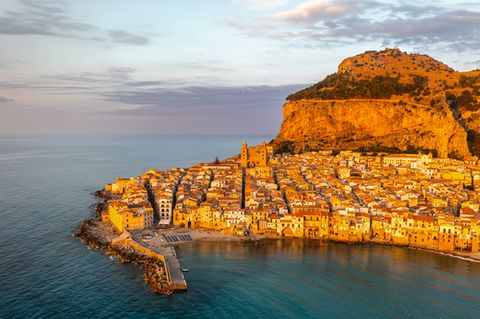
<point x="184" y="217"/>
<point x="259" y="220"/>
<point x="125" y="219"/>
<point x="400" y="159"/>
<point x="424" y="233"/>
<point x="204" y="216"/>
<point x="260" y="171"/>
<point x="380" y="228"/>
<point x="446" y="233"/>
<point x="316" y="224"/>
<point x="120" y="184"/>
<point x="288" y="226"/>
<point x="344" y="228"/>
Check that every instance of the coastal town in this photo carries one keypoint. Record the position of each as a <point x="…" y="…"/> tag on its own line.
<point x="354" y="197"/>
<point x="397" y="199"/>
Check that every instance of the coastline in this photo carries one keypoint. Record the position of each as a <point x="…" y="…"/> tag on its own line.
<point x="467" y="256"/>
<point x="102" y="236"/>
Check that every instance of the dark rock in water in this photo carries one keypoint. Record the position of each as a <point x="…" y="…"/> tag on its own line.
<point x="95" y="234"/>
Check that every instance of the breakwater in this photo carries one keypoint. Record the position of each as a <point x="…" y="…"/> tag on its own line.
<point x="161" y="273"/>
<point x="169" y="278"/>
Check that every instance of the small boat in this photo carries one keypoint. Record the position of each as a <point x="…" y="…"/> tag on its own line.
<point x="185" y="269"/>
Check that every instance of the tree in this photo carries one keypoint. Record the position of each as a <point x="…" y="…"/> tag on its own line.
<point x="467" y="101"/>
<point x="285" y="147"/>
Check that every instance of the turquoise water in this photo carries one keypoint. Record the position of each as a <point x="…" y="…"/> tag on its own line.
<point x="45" y="191"/>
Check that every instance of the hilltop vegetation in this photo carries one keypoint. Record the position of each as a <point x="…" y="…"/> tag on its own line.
<point x="393" y="74"/>
<point x="343" y="86"/>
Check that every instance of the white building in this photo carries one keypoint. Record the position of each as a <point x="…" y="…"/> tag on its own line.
<point x="164" y="207"/>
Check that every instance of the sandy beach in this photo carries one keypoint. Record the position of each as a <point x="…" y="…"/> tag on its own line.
<point x="465" y="255"/>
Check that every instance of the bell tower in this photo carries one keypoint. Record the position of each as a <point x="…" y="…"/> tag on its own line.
<point x="244" y="155"/>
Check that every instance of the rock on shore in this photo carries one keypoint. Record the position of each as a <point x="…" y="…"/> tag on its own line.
<point x="154" y="269"/>
<point x="95" y="234"/>
<point x="98" y="235"/>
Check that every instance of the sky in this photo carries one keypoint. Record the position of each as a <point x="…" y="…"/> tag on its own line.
<point x="191" y="66"/>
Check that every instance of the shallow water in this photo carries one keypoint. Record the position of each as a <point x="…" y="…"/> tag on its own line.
<point x="45" y="191"/>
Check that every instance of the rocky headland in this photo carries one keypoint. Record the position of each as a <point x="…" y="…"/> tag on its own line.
<point x="386" y="101"/>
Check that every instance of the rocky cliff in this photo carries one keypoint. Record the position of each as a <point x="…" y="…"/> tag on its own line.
<point x="371" y="125"/>
<point x="387" y="100"/>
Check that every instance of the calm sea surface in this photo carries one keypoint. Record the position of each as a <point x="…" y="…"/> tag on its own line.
<point x="45" y="191"/>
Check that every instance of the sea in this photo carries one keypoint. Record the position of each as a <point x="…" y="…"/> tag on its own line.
<point x="46" y="186"/>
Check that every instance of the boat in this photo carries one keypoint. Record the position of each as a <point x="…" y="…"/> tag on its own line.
<point x="185" y="269"/>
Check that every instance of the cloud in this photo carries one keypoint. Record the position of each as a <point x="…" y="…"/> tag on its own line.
<point x="48" y="18"/>
<point x="314" y="10"/>
<point x="6" y="61"/>
<point x="206" y="108"/>
<point x="73" y="83"/>
<point x="264" y="4"/>
<point x="111" y="78"/>
<point x="477" y="62"/>
<point x="454" y="28"/>
<point x="120" y="73"/>
<point x="127" y="37"/>
<point x="346" y="21"/>
<point x="110" y="75"/>
<point x="196" y="100"/>
<point x="4" y="99"/>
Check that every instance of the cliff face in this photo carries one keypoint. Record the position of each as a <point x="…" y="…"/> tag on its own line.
<point x="371" y="124"/>
<point x="387" y="100"/>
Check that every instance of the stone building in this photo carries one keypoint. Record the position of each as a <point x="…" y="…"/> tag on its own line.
<point x="255" y="156"/>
